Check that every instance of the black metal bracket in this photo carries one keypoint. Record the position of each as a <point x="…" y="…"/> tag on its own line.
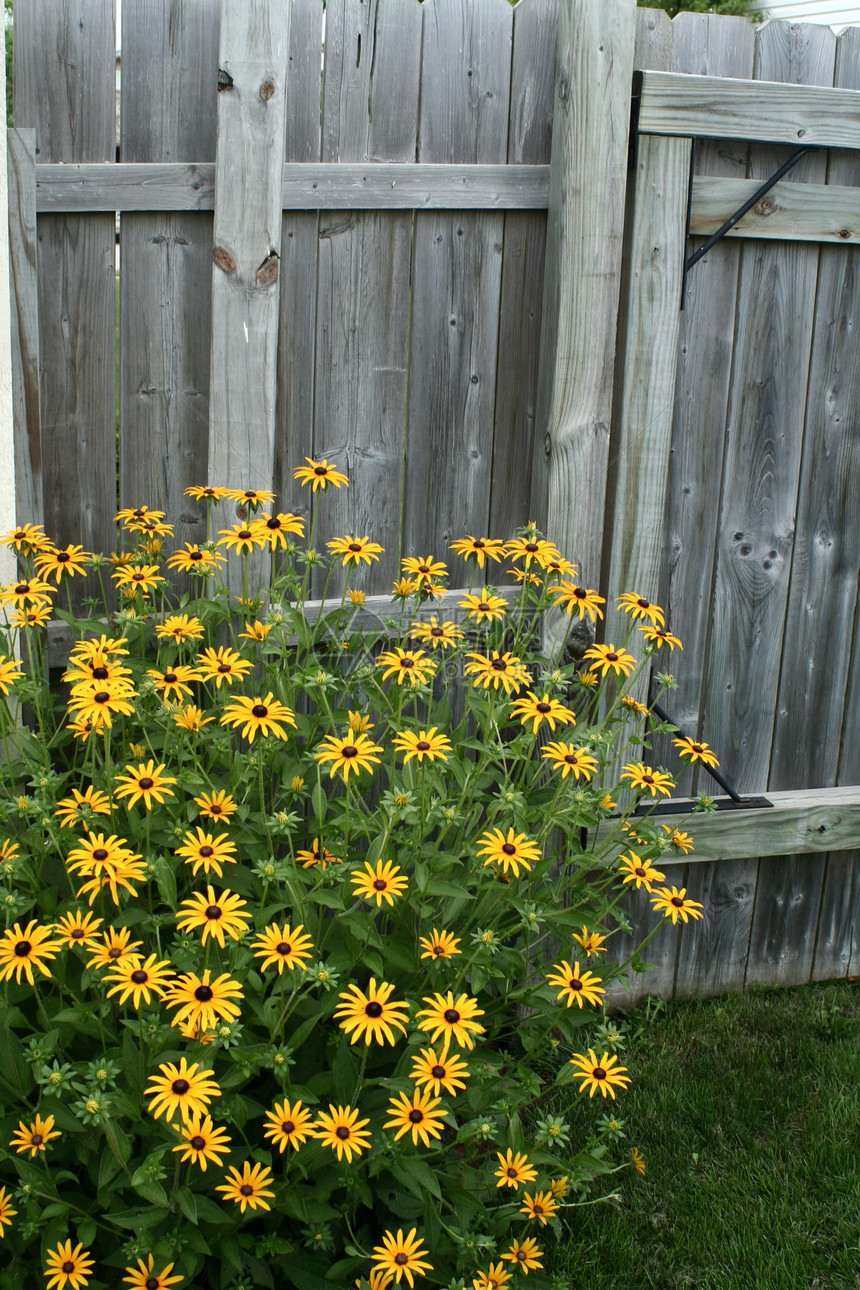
<point x="682" y="806"/>
<point x="633" y="137"/>
<point x="734" y="219"/>
<point x="735" y="799"/>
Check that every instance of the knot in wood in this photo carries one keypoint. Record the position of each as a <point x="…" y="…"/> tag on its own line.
<point x="845" y="233"/>
<point x="225" y="80"/>
<point x="268" y="270"/>
<point x="764" y="206"/>
<point x="224" y="260"/>
<point x="267" y="89"/>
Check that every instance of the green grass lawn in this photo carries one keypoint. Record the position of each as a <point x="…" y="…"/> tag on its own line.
<point x="746" y="1110"/>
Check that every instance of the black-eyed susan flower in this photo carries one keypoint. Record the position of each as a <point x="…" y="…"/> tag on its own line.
<point x="559" y="1187"/>
<point x="134" y="578"/>
<point x="202" y="1002"/>
<point x="202" y="1141"/>
<point x="77" y="808"/>
<point x="191" y="718"/>
<point x="592" y="942"/>
<point x="275" y="529"/>
<point x="250" y="497"/>
<point x="26" y="538"/>
<point x="10" y="671"/>
<point x="404" y="1256"/>
<point x="557" y="565"/>
<point x="484" y="607"/>
<point x="525" y="575"/>
<point x="96" y="667"/>
<point x="435" y="634"/>
<point x="288" y="1126"/>
<point x="634" y="705"/>
<point x="195" y="560"/>
<point x="439" y="1070"/>
<point x="23" y="949"/>
<point x="419" y="1116"/>
<point x="529" y="548"/>
<point x="441" y="945"/>
<point x="638" y="1161"/>
<point x="100" y="703"/>
<point x="525" y="1255"/>
<point x="680" y="840"/>
<point x="382" y="883"/>
<point x="205" y="851"/>
<point x="316" y="854"/>
<point x="676" y="904"/>
<point x="658" y="637"/>
<point x="606" y="658"/>
<point x="145" y="782"/>
<point x="639" y="608"/>
<point x="30" y="617"/>
<point x="136" y="979"/>
<point x="174" y="682"/>
<point x="217" y="806"/>
<point x="26" y="592"/>
<point x="341" y="1130"/>
<point x="648" y="780"/>
<point x="179" y="628"/>
<point x="185" y="1089"/>
<point x="355" y="550"/>
<point x="67" y="1266"/>
<point x="413" y="666"/>
<point x="575" y="986"/>
<point x="498" y="670"/>
<point x="640" y="871"/>
<point x="373" y="1016"/>
<point x="605" y="1075"/>
<point x="376" y="1280"/>
<point x="424" y="743"/>
<point x="7" y="1213"/>
<point x="508" y="851"/>
<point x="404" y="588"/>
<point x="423" y="569"/>
<point x="34" y="1137"/>
<point x="256" y="631"/>
<point x="283" y="947"/>
<point x="134" y="514"/>
<point x="514" y="1170"/>
<point x="67" y="561"/>
<point x="77" y="928"/>
<point x="262" y="716"/>
<point x="479" y="549"/>
<point x="350" y="755"/>
<point x="116" y="947"/>
<point x="205" y="493"/>
<point x="216" y="916"/>
<point x="241" y="538"/>
<point x="319" y="474"/>
<point x="541" y="1206"/>
<point x="540" y="710"/>
<point x="450" y="1019"/>
<point x="248" y="1188"/>
<point x="496" y="1277"/>
<point x="695" y="750"/>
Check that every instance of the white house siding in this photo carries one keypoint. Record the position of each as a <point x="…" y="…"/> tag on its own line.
<point x="837" y="13"/>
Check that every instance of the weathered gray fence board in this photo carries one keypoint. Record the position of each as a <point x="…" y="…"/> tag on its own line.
<point x="789" y="212"/>
<point x="456" y="280"/>
<point x="249" y="159"/>
<point x="169" y="84"/>
<point x="65" y="88"/>
<point x="298" y="281"/>
<point x="24" y="283"/>
<point x="583" y="277"/>
<point x="370" y="113"/>
<point x="529" y="141"/>
<point x="760" y="483"/>
<point x="713" y="950"/>
<point x="707" y="108"/>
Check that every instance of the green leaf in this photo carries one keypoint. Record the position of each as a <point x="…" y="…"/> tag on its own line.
<point x="186" y="1202"/>
<point x="208" y="1211"/>
<point x="304" y="1272"/>
<point x="416" y="1176"/>
<point x="330" y="899"/>
<point x="13" y="1065"/>
<point x="344" y="1073"/>
<point x="319" y="802"/>
<point x="86" y="1232"/>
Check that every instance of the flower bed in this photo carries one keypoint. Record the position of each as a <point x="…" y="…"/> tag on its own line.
<point x="302" y="927"/>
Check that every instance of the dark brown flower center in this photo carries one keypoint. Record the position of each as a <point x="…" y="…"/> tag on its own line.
<point x="180" y="1087"/>
<point x="677" y="901"/>
<point x="197" y="1142"/>
<point x="532" y="546"/>
<point x="22" y="949"/>
<point x="288" y="1126"/>
<point x="207" y="852"/>
<point x="407" y="662"/>
<point x="349" y="751"/>
<point x="640" y="872"/>
<point x="153" y="1283"/>
<point x="320" y="470"/>
<point x="509" y="848"/>
<point x="195" y="555"/>
<point x="438" y="1072"/>
<point x="273" y="523"/>
<point x="647" y="779"/>
<point x="422" y="745"/>
<point x="101" y="697"/>
<point x="100" y="854"/>
<point x="380" y="884"/>
<point x="145" y="782"/>
<point x="68" y="1267"/>
<point x="512" y="1173"/>
<point x="138" y="577"/>
<point x="214" y="911"/>
<point x="246" y="1189"/>
<point x="437" y="631"/>
<point x="574" y="983"/>
<point x="203" y="993"/>
<point x="284" y="948"/>
<point x="697" y="748"/>
<point x="77" y="933"/>
<point x="498" y="665"/>
<point x="543" y="707"/>
<point x="537" y="1209"/>
<point x="424" y="568"/>
<point x="612" y="657"/>
<point x="401" y="1258"/>
<point x="36" y="1139"/>
<point x="215" y="809"/>
<point x="22" y="588"/>
<point x="452" y="1016"/>
<point x="373" y="1009"/>
<point x="224" y="667"/>
<point x="354" y="546"/>
<point x="170" y="678"/>
<point x="244" y="535"/>
<point x="341" y="1132"/>
<point x="438" y="949"/>
<point x="259" y="710"/>
<point x="100" y="673"/>
<point x="138" y="976"/>
<point x="599" y="1073"/>
<point x="115" y="952"/>
<point x="484" y="605"/>
<point x="416" y="1116"/>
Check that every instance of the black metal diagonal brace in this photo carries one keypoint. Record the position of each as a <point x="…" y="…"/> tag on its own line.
<point x="734" y="219"/>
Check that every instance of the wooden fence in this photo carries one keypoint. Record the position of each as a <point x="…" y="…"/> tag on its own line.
<point x="415" y="247"/>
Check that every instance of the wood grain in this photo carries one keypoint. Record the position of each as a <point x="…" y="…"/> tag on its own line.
<point x="789" y="212"/>
<point x="24" y="284"/>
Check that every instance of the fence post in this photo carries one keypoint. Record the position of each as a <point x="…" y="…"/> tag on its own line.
<point x="588" y="179"/>
<point x="8" y="563"/>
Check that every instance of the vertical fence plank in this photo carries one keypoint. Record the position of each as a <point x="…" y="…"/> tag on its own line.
<point x="24" y="284"/>
<point x="298" y="279"/>
<point x="249" y="161"/>
<point x="169" y="88"/>
<point x="712" y="952"/>
<point x="65" y="88"/>
<point x="757" y="523"/>
<point x="581" y="294"/>
<point x="529" y="143"/>
<point x="465" y="88"/>
<point x="370" y="114"/>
